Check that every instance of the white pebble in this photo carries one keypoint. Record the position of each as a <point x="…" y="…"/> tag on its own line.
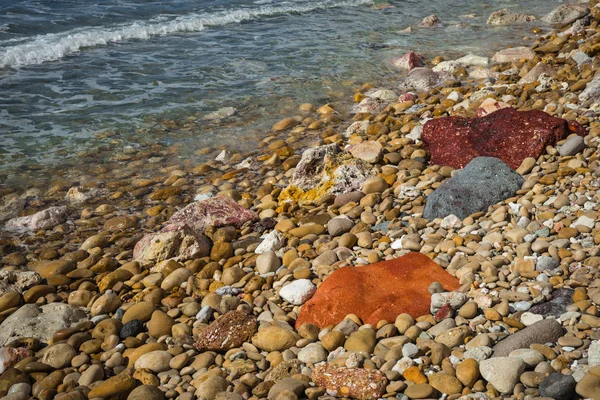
<point x="528" y="318"/>
<point x="298" y="292"/>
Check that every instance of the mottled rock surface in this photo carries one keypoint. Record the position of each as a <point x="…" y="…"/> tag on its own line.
<point x="358" y="383"/>
<point x="424" y="79"/>
<point x="229" y="331"/>
<point x="183" y="237"/>
<point x="44" y="219"/>
<point x="566" y="13"/>
<point x="591" y="91"/>
<point x="507" y="134"/>
<point x="508" y="17"/>
<point x="535" y="72"/>
<point x="40" y="322"/>
<point x="17" y="281"/>
<point x="376" y="292"/>
<point x="325" y="170"/>
<point x="429" y="21"/>
<point x="178" y="245"/>
<point x="10" y="356"/>
<point x="483" y="182"/>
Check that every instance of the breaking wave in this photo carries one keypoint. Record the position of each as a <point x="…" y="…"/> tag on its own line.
<point x="52" y="47"/>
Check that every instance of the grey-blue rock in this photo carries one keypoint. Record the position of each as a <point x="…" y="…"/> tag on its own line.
<point x="558" y="386"/>
<point x="483" y="182"/>
<point x="544" y="331"/>
<point x="546" y="262"/>
<point x="573" y="145"/>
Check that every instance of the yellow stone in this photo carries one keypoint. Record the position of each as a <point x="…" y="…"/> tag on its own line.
<point x="146" y="377"/>
<point x="214" y="286"/>
<point x="116" y="385"/>
<point x="154" y="211"/>
<point x="414" y="374"/>
<point x="358" y="97"/>
<point x="579" y="295"/>
<point x="492" y="315"/>
<point x="134" y="354"/>
<point x="165" y="193"/>
<point x="556" y="280"/>
<point x="284" y="124"/>
<point x="326" y="109"/>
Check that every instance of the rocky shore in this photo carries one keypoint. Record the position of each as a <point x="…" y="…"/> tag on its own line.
<point x="441" y="242"/>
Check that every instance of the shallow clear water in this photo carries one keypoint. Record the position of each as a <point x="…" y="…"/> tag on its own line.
<point x="70" y="69"/>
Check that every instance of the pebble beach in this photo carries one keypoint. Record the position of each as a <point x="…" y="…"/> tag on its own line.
<point x="436" y="238"/>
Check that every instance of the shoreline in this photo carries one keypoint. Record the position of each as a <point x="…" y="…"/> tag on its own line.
<point x="142" y="300"/>
<point x="118" y="145"/>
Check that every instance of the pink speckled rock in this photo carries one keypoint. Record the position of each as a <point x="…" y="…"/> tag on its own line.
<point x="356" y="383"/>
<point x="10" y="356"/>
<point x="183" y="237"/>
<point x="216" y="211"/>
<point x="409" y="61"/>
<point x="228" y="332"/>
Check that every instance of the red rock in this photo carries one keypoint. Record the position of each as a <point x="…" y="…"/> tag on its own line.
<point x="409" y="61"/>
<point x="376" y="292"/>
<point x="507" y="134"/>
<point x="443" y="313"/>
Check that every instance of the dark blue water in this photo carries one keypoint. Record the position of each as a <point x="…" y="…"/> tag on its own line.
<point x="73" y="72"/>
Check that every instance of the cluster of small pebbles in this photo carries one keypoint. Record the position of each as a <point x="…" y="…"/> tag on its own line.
<point x="82" y="318"/>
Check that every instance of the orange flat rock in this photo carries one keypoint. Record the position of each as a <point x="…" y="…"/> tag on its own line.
<point x="376" y="292"/>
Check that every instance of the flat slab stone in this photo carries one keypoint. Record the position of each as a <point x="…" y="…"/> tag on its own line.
<point x="376" y="292"/>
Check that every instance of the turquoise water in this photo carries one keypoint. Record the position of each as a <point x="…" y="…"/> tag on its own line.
<point x="71" y="69"/>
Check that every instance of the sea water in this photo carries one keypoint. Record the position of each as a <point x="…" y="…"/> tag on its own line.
<point x="80" y="76"/>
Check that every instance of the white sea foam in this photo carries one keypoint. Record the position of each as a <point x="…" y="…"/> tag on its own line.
<point x="52" y="47"/>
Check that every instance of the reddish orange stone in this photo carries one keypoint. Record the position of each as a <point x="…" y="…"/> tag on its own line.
<point x="376" y="292"/>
